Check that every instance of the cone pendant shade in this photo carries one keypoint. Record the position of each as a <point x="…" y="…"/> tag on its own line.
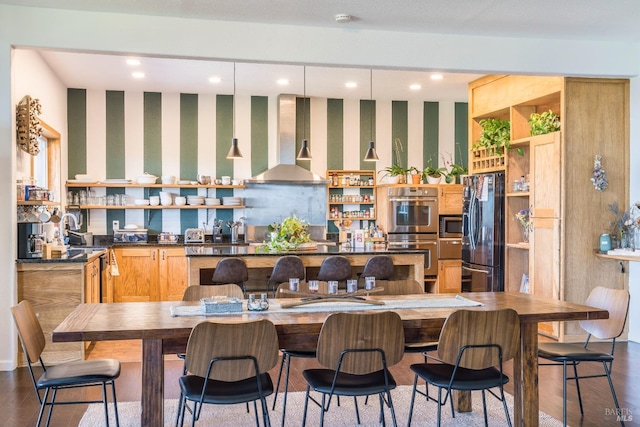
<point x="234" y="151"/>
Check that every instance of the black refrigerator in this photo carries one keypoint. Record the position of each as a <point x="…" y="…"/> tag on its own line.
<point x="483" y="233"/>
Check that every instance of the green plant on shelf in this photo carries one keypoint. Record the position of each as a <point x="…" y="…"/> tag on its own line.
<point x="495" y="137"/>
<point x="543" y="123"/>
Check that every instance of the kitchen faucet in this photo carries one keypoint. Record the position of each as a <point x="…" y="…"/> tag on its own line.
<point x="73" y="221"/>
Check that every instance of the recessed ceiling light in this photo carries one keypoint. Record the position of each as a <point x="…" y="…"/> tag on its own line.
<point x="138" y="75"/>
<point x="437" y="76"/>
<point x="415" y="86"/>
<point x="132" y="61"/>
<point x="214" y="79"/>
<point x="283" y="82"/>
<point x="351" y="85"/>
<point x="343" y="18"/>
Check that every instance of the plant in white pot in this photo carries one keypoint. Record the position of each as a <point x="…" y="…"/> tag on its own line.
<point x="396" y="173"/>
<point x="432" y="175"/>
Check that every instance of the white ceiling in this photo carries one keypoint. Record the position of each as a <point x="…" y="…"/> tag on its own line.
<point x="614" y="20"/>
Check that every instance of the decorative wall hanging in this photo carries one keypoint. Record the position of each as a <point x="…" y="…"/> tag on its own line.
<point x="599" y="178"/>
<point x="28" y="125"/>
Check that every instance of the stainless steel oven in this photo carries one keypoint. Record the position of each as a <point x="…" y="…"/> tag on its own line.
<point x="423" y="241"/>
<point x="451" y="226"/>
<point x="412" y="210"/>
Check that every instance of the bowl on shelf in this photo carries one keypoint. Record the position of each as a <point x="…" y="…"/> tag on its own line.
<point x="146" y="179"/>
<point x="180" y="201"/>
<point x="168" y="179"/>
<point x="141" y="202"/>
<point x="83" y="177"/>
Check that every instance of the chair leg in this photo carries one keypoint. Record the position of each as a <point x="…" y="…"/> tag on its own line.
<point x="381" y="419"/>
<point x="53" y="400"/>
<point x="504" y="404"/>
<point x="265" y="412"/>
<point x="564" y="393"/>
<point x="575" y="375"/>
<point x="613" y="391"/>
<point x="179" y="410"/>
<point x="484" y="408"/>
<point x="324" y="397"/>
<point x="43" y="404"/>
<point x="306" y="405"/>
<point x="413" y="399"/>
<point x="355" y="403"/>
<point x="115" y="402"/>
<point x="275" y="396"/>
<point x="104" y="403"/>
<point x="440" y="405"/>
<point x="255" y="411"/>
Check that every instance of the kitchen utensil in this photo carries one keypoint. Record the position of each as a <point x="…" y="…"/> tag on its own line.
<point x="204" y="179"/>
<point x="44" y="216"/>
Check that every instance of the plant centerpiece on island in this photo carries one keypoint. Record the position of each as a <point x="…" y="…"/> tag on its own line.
<point x="288" y="235"/>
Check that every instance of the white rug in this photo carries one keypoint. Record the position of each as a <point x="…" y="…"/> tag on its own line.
<point x="424" y="413"/>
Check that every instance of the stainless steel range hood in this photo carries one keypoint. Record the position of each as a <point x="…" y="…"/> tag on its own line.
<point x="287" y="172"/>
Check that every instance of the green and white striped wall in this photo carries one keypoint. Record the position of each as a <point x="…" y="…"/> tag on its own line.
<point x="115" y="134"/>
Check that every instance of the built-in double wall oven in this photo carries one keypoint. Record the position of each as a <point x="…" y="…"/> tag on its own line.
<point x="412" y="222"/>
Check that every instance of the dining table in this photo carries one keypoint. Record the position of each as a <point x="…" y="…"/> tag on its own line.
<point x="163" y="332"/>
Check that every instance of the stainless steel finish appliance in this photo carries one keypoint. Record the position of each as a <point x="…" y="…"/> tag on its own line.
<point x="30" y="239"/>
<point x="483" y="233"/>
<point x="450" y="226"/>
<point x="412" y="210"/>
<point x="412" y="222"/>
<point x="450" y="249"/>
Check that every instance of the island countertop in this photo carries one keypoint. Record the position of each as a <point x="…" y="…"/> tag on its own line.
<point x="321" y="250"/>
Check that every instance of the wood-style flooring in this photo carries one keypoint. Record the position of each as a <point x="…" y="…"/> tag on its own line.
<point x="19" y="407"/>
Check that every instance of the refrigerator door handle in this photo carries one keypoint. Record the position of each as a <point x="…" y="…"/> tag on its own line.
<point x="477" y="270"/>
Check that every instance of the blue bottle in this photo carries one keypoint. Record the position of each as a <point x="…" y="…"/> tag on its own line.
<point x="605" y="243"/>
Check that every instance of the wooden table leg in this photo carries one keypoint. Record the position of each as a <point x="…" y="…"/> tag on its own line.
<point x="462" y="400"/>
<point x="525" y="378"/>
<point x="152" y="383"/>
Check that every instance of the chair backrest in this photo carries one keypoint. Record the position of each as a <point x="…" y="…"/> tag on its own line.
<point x="378" y="330"/>
<point x="323" y="289"/>
<point x="210" y="340"/>
<point x="379" y="266"/>
<point x="196" y="292"/>
<point x="616" y="301"/>
<point x="29" y="330"/>
<point x="335" y="267"/>
<point x="287" y="267"/>
<point x="399" y="287"/>
<point x="231" y="270"/>
<point x="471" y="327"/>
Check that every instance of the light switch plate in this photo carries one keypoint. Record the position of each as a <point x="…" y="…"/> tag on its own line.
<point x="116" y="225"/>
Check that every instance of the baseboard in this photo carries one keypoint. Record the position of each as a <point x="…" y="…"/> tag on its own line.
<point x="7" y="365"/>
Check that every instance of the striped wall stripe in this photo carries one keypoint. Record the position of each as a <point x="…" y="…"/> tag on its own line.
<point x="461" y="126"/>
<point x="122" y="135"/>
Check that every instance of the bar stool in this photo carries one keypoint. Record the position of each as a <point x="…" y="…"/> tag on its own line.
<point x="336" y="267"/>
<point x="231" y="270"/>
<point x="285" y="268"/>
<point x="378" y="266"/>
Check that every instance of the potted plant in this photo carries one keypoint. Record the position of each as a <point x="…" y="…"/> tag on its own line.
<point x="455" y="172"/>
<point x="396" y="173"/>
<point x="416" y="175"/>
<point x="432" y="175"/>
<point x="495" y="137"/>
<point x="543" y="123"/>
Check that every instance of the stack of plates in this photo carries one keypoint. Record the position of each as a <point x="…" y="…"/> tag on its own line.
<point x="195" y="200"/>
<point x="232" y="201"/>
<point x="210" y="201"/>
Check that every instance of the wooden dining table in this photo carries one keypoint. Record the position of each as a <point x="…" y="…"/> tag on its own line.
<point x="161" y="334"/>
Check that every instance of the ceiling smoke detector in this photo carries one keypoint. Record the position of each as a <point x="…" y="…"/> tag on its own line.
<point x="343" y="18"/>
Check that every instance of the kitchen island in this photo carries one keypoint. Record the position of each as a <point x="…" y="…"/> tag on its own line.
<point x="202" y="260"/>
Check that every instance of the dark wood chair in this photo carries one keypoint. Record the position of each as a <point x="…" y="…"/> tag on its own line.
<point x="69" y="375"/>
<point x="472" y="347"/>
<point x="231" y="270"/>
<point x="236" y="372"/>
<point x="378" y="266"/>
<point x="335" y="267"/>
<point x="286" y="267"/>
<point x="356" y="350"/>
<point x="196" y="292"/>
<point x="563" y="354"/>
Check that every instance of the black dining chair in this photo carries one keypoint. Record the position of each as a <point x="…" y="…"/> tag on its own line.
<point x="65" y="376"/>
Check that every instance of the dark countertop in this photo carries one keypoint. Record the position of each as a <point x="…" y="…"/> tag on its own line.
<point x="73" y="255"/>
<point x="322" y="250"/>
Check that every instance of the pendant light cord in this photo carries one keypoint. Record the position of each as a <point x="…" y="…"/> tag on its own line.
<point x="371" y="99"/>
<point x="234" y="100"/>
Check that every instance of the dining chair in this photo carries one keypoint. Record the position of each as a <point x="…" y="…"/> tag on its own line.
<point x="472" y="348"/>
<point x="235" y="372"/>
<point x="616" y="302"/>
<point x="356" y="350"/>
<point x="197" y="292"/>
<point x="69" y="375"/>
<point x="286" y="267"/>
<point x="335" y="267"/>
<point x="231" y="270"/>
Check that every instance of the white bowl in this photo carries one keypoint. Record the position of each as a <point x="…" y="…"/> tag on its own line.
<point x="184" y="182"/>
<point x="168" y="179"/>
<point x="146" y="179"/>
<point x="141" y="202"/>
<point x="180" y="201"/>
<point x="130" y="227"/>
<point x="166" y="201"/>
<point x="83" y="177"/>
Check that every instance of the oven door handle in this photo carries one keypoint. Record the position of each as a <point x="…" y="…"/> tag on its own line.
<point x="392" y="244"/>
<point x="477" y="270"/>
<point x="413" y="199"/>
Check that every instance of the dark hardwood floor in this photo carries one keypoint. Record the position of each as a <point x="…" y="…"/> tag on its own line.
<point x="18" y="404"/>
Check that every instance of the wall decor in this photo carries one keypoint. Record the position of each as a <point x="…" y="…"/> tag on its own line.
<point x="599" y="178"/>
<point x="28" y="125"/>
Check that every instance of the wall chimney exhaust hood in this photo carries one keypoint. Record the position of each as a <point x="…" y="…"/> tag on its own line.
<point x="287" y="172"/>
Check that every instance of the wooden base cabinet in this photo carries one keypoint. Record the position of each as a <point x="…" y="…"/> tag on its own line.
<point x="449" y="276"/>
<point x="150" y="274"/>
<point x="567" y="213"/>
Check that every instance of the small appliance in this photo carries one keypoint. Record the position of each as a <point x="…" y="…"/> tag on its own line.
<point x="30" y="240"/>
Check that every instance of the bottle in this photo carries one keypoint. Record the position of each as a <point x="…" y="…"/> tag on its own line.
<point x="334" y="179"/>
<point x="605" y="243"/>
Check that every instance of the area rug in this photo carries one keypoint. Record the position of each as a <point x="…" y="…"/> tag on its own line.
<point x="424" y="413"/>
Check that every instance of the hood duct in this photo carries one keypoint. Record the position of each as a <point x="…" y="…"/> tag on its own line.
<point x="287" y="172"/>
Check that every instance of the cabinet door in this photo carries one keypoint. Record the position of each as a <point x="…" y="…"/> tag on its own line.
<point x="449" y="276"/>
<point x="544" y="252"/>
<point x="545" y="179"/>
<point x="138" y="279"/>
<point x="92" y="281"/>
<point x="450" y="202"/>
<point x="174" y="274"/>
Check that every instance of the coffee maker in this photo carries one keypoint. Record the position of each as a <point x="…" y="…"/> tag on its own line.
<point x="30" y="240"/>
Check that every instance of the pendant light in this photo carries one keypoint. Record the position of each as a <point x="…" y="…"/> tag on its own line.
<point x="234" y="151"/>
<point x="304" y="153"/>
<point x="371" y="155"/>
